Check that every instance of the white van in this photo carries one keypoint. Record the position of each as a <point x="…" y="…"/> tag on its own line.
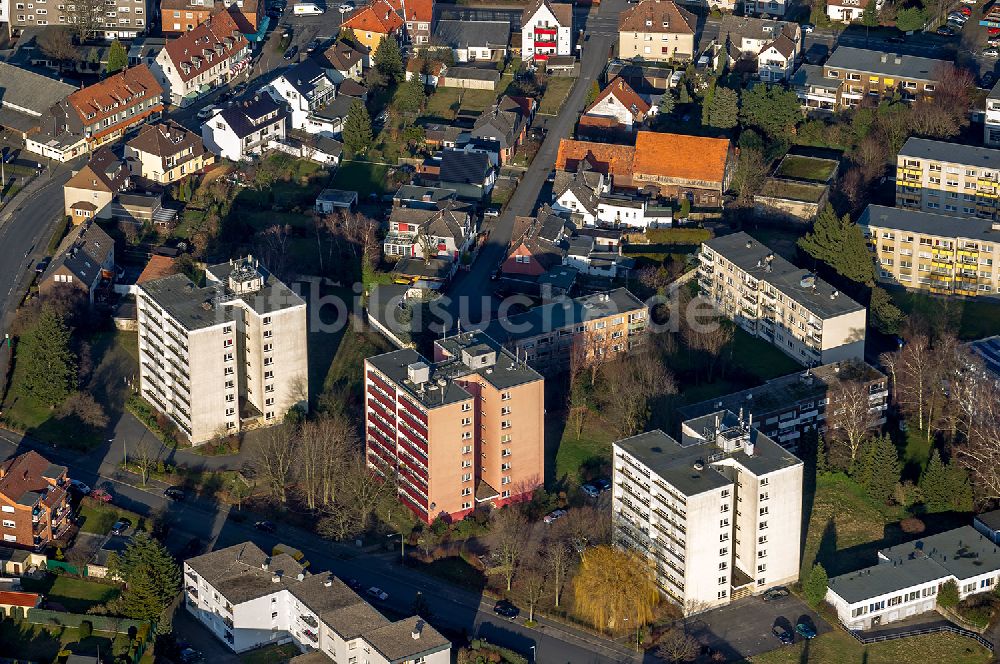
<point x="307" y="9"/>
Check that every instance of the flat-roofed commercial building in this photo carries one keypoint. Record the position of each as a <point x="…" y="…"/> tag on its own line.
<point x="462" y="429"/>
<point x="224" y="357"/>
<point x="718" y="514"/>
<point x="769" y="297"/>
<point x="786" y="407"/>
<point x="947" y="178"/>
<point x="933" y="252"/>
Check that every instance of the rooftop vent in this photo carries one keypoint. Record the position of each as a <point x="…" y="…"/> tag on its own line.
<point x="418" y="373"/>
<point x="699" y="465"/>
<point x="276" y="578"/>
<point x="328" y="583"/>
<point x="808" y="281"/>
<point x="300" y="576"/>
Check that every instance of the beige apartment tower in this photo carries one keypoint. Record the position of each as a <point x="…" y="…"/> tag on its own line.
<point x="224" y="357"/>
<point x="717" y="514"/>
<point x="463" y="430"/>
<point x="947" y="178"/>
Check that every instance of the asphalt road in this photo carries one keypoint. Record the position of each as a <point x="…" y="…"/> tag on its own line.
<point x="469" y="293"/>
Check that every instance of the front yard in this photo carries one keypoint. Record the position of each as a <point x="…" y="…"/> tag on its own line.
<point x="837" y="647"/>
<point x="97" y="518"/>
<point x="38" y="643"/>
<point x="363" y="177"/>
<point x="75" y="595"/>
<point x="556" y="91"/>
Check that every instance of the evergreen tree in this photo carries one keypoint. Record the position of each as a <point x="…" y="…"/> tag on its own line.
<point x="409" y="97"/>
<point x="948" y="596"/>
<point x="724" y="109"/>
<point x="46" y="364"/>
<point x="822" y="466"/>
<point x="869" y="17"/>
<point x="840" y="244"/>
<point x="357" y="133"/>
<point x="911" y="18"/>
<point x="879" y="469"/>
<point x="667" y="102"/>
<point x="151" y="576"/>
<point x="815" y="584"/>
<point x="706" y="103"/>
<point x="388" y="59"/>
<point x="592" y="94"/>
<point x="772" y="109"/>
<point x="945" y="486"/>
<point x="684" y="96"/>
<point x="886" y="316"/>
<point x="117" y="58"/>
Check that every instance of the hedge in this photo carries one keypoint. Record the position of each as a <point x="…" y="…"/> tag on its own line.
<point x="100" y="623"/>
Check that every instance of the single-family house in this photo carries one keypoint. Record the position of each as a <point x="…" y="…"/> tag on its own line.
<point x="772" y="46"/>
<point x="246" y="129"/>
<point x="445" y="232"/>
<point x="372" y="23"/>
<point x="34" y="501"/>
<point x="617" y="108"/>
<point x="418" y="16"/>
<point x="546" y="30"/>
<point x="341" y="61"/>
<point x="469" y="173"/>
<point x="657" y="31"/>
<point x="89" y="192"/>
<point x="472" y="41"/>
<point x="303" y="88"/>
<point x="166" y="152"/>
<point x="501" y="128"/>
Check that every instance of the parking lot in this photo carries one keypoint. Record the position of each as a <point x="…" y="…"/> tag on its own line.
<point x="743" y="628"/>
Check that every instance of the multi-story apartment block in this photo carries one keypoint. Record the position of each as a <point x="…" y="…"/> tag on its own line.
<point x="657" y="31"/>
<point x="249" y="599"/>
<point x="933" y="252"/>
<point x="588" y="329"/>
<point x="852" y="74"/>
<point x="166" y="152"/>
<point x="769" y="297"/>
<point x="991" y="130"/>
<point x="98" y="114"/>
<point x="209" y="55"/>
<point x="461" y="430"/>
<point x="34" y="501"/>
<point x="948" y="178"/>
<point x="546" y="30"/>
<point x="119" y="19"/>
<point x="906" y="580"/>
<point x="225" y="357"/>
<point x="718" y="514"/>
<point x="786" y="407"/>
<point x="179" y="16"/>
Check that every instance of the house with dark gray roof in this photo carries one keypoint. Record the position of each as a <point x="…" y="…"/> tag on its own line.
<point x="469" y="173"/>
<point x="472" y="41"/>
<point x="303" y="88"/>
<point x="907" y="577"/>
<point x="248" y="128"/>
<point x="84" y="261"/>
<point x="25" y="96"/>
<point x="501" y="128"/>
<point x="247" y="598"/>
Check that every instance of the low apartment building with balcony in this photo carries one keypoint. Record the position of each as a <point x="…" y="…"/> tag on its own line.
<point x="116" y="19"/>
<point x="546" y="30"/>
<point x="34" y="501"/>
<point x="656" y="31"/>
<point x="247" y="129"/>
<point x="718" y="514"/>
<point x="907" y="577"/>
<point x="991" y="128"/>
<point x="948" y="178"/>
<point x="248" y="599"/>
<point x="933" y="252"/>
<point x="588" y="329"/>
<point x="767" y="296"/>
<point x="787" y="407"/>
<point x="460" y="430"/>
<point x="225" y="357"/>
<point x="852" y="74"/>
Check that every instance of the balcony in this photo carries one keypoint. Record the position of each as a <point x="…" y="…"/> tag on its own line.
<point x="311" y="635"/>
<point x="309" y="620"/>
<point x="192" y="591"/>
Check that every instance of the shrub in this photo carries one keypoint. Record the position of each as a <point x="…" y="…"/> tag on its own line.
<point x="86" y="629"/>
<point x="948" y="595"/>
<point x="912" y="526"/>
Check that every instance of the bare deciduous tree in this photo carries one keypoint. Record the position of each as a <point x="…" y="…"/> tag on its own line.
<point x="57" y="43"/>
<point x="325" y="446"/>
<point x="678" y="646"/>
<point x="274" y="460"/>
<point x="630" y="385"/>
<point x="144" y="459"/>
<point x="531" y="583"/>
<point x="84" y="17"/>
<point x="507" y="541"/>
<point x="849" y="419"/>
<point x="559" y="561"/>
<point x="710" y="336"/>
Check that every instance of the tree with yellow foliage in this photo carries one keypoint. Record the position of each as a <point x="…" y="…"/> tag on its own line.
<point x="615" y="589"/>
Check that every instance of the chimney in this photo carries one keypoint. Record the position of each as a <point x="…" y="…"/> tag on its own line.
<point x="417" y="629"/>
<point x="884" y="57"/>
<point x="898" y="60"/>
<point x="300" y="576"/>
<point x="275" y="578"/>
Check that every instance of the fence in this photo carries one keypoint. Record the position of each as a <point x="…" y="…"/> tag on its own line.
<point x="919" y="632"/>
<point x="54" y="565"/>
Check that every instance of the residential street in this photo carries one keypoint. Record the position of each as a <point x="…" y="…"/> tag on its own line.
<point x="453" y="608"/>
<point x="469" y="292"/>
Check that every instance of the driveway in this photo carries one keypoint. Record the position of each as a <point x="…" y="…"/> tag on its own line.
<point x="743" y="629"/>
<point x="201" y="639"/>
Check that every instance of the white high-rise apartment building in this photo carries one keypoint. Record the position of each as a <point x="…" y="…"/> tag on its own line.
<point x="717" y="514"/>
<point x="226" y="356"/>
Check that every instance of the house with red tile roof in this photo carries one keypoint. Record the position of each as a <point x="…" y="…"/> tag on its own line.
<point x="10" y="600"/>
<point x="696" y="167"/>
<point x="418" y="16"/>
<point x="200" y="60"/>
<point x="180" y="16"/>
<point x="617" y="107"/>
<point x="656" y="31"/>
<point x="34" y="501"/>
<point x="606" y="158"/>
<point x="372" y="23"/>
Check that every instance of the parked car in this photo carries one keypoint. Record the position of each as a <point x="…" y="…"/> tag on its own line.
<point x="505" y="609"/>
<point x="191" y="656"/>
<point x="993" y="31"/>
<point x="591" y="490"/>
<point x="207" y="112"/>
<point x="378" y="594"/>
<point x="991" y="52"/>
<point x="174" y="493"/>
<point x="554" y="515"/>
<point x="955" y="17"/>
<point x="101" y="495"/>
<point x="603" y="483"/>
<point x="896" y="40"/>
<point x="964" y="10"/>
<point x="806" y="630"/>
<point x="774" y="593"/>
<point x="354" y="585"/>
<point x="946" y="31"/>
<point x="313" y="45"/>
<point x="808" y="28"/>
<point x="266" y="527"/>
<point x="42" y="264"/>
<point x="492" y="212"/>
<point x="989" y="79"/>
<point x="291" y="53"/>
<point x="783" y="635"/>
<point x="79" y="487"/>
<point x="120" y="526"/>
<point x="346" y="7"/>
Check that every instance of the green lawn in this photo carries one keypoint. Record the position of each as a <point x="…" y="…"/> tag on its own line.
<point x="458" y="571"/>
<point x="343" y="377"/>
<point x="76" y="595"/>
<point x="362" y="177"/>
<point x="837" y="647"/>
<point x="38" y="643"/>
<point x="682" y="236"/>
<point x="806" y="168"/>
<point x="445" y="103"/>
<point x="556" y="90"/>
<point x="115" y="356"/>
<point x="593" y="446"/>
<point x="279" y="654"/>
<point x="97" y="518"/>
<point x="970" y="319"/>
<point x="796" y="191"/>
